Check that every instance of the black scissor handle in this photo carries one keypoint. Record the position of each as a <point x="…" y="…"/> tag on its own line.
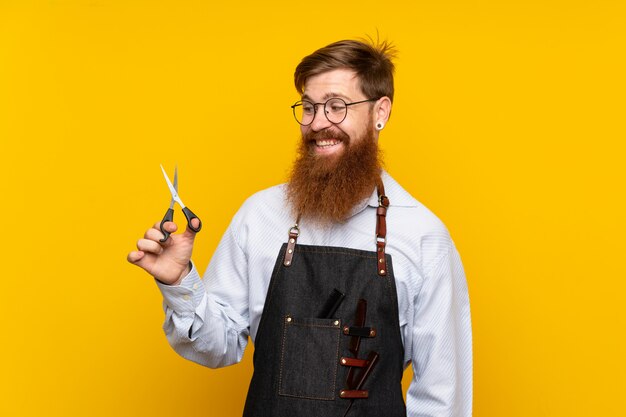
<point x="169" y="216"/>
<point x="189" y="215"/>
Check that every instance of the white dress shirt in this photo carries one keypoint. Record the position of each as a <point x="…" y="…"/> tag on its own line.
<point x="209" y="320"/>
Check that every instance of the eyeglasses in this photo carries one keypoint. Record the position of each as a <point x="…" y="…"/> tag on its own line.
<point x="335" y="110"/>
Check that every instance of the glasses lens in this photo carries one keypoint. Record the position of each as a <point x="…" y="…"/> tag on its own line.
<point x="335" y="110"/>
<point x="304" y="111"/>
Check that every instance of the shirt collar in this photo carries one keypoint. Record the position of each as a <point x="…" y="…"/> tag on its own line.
<point x="398" y="196"/>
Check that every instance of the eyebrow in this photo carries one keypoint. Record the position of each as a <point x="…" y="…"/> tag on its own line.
<point x="328" y="96"/>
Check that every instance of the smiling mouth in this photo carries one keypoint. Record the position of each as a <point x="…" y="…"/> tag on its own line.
<point x="326" y="143"/>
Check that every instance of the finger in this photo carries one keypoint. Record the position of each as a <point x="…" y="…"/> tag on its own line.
<point x="135" y="256"/>
<point x="195" y="222"/>
<point x="154" y="234"/>
<point x="149" y="246"/>
<point x="168" y="226"/>
<point x="139" y="258"/>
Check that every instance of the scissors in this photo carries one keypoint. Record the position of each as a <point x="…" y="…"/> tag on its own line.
<point x="169" y="215"/>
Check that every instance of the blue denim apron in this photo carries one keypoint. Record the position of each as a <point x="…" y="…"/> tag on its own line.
<point x="329" y="341"/>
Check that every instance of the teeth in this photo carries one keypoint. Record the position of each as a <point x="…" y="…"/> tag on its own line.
<point x="323" y="143"/>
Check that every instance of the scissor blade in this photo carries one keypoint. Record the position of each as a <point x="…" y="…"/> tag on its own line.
<point x="173" y="191"/>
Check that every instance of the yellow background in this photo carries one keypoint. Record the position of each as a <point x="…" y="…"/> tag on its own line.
<point x="508" y="123"/>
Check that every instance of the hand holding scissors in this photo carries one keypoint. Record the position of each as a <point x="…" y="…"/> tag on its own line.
<point x="167" y="258"/>
<point x="169" y="215"/>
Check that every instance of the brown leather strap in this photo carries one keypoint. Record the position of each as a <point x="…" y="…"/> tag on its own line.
<point x="372" y="359"/>
<point x="381" y="229"/>
<point x="353" y="394"/>
<point x="291" y="244"/>
<point x="354" y="362"/>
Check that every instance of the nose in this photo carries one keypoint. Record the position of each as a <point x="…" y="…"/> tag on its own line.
<point x="320" y="122"/>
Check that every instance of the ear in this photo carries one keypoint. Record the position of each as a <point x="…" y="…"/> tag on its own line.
<point x="382" y="111"/>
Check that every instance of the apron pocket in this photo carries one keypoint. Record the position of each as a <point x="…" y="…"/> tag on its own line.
<point x="309" y="358"/>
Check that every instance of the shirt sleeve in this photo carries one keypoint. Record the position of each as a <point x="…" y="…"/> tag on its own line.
<point x="442" y="343"/>
<point x="206" y="320"/>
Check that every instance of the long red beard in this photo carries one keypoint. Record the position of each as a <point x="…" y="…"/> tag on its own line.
<point x="325" y="188"/>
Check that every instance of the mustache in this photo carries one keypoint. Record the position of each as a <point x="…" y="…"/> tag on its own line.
<point x="328" y="133"/>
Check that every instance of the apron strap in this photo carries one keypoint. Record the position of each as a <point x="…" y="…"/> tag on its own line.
<point x="381" y="229"/>
<point x="291" y="243"/>
<point x="381" y="233"/>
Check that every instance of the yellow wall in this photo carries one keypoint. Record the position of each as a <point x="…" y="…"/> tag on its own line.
<point x="508" y="123"/>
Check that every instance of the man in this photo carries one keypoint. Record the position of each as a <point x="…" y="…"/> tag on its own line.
<point x="340" y="277"/>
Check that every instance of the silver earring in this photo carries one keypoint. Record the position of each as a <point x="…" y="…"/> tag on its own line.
<point x="380" y="125"/>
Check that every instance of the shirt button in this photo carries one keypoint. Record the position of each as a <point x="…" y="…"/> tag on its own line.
<point x="186" y="297"/>
<point x="195" y="286"/>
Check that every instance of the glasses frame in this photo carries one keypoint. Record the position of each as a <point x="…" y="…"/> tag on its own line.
<point x="301" y="102"/>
